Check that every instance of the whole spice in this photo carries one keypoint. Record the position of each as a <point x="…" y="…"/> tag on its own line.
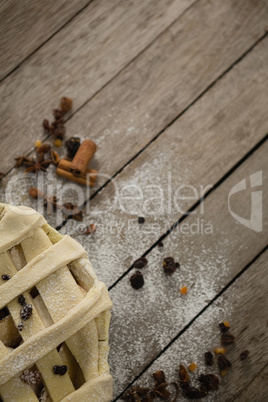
<point x="209" y="360"/>
<point x="227" y="339"/>
<point x="55" y="157"/>
<point x="26" y="312"/>
<point x="141" y="220"/>
<point x="66" y="104"/>
<point x="60" y="370"/>
<point x="137" y="280"/>
<point x="90" y="229"/>
<point x="22" y="160"/>
<point x="35" y="193"/>
<point x="136" y="394"/>
<point x="59" y="133"/>
<point x="72" y="145"/>
<point x="38" y="165"/>
<point x="140" y="263"/>
<point x="50" y="202"/>
<point x="193" y="393"/>
<point x="170" y="265"/>
<point x="58" y="114"/>
<point x="46" y="126"/>
<point x="20" y="326"/>
<point x="160" y="244"/>
<point x="82" y="157"/>
<point x="6" y="277"/>
<point x="244" y="355"/>
<point x="183" y="374"/>
<point x="159" y="377"/>
<point x="73" y="211"/>
<point x="43" y="149"/>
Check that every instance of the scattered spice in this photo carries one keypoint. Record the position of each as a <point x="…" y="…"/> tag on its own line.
<point x="21" y="300"/>
<point x="209" y="381"/>
<point x="66" y="104"/>
<point x="160" y="244"/>
<point x="137" y="280"/>
<point x="219" y="351"/>
<point x="38" y="165"/>
<point x="73" y="211"/>
<point x="183" y="374"/>
<point x="192" y="367"/>
<point x="6" y="277"/>
<point x="46" y="126"/>
<point x="141" y="220"/>
<point x="60" y="370"/>
<point x="43" y="149"/>
<point x="184" y="290"/>
<point x="90" y="229"/>
<point x="58" y="114"/>
<point x="31" y="377"/>
<point x="26" y="312"/>
<point x="159" y="377"/>
<point x="244" y="355"/>
<point x="21" y="160"/>
<point x="35" y="193"/>
<point x="227" y="339"/>
<point x="136" y="394"/>
<point x="55" y="157"/>
<point x="140" y="263"/>
<point x="224" y="326"/>
<point x="170" y="265"/>
<point x="72" y="145"/>
<point x="209" y="359"/>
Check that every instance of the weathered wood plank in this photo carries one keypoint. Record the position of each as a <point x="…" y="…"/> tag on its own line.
<point x="26" y="25"/>
<point x="244" y="305"/>
<point x="145" y="321"/>
<point x="257" y="390"/>
<point x="197" y="150"/>
<point x="77" y="62"/>
<point x="118" y="139"/>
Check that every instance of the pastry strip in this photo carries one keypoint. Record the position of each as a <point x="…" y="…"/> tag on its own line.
<point x="99" y="389"/>
<point x="96" y="301"/>
<point x="57" y="256"/>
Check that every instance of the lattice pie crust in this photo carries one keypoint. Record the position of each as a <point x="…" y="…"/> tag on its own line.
<point x="54" y="313"/>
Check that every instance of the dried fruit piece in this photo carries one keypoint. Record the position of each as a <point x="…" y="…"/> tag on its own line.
<point x="38" y="144"/>
<point x="26" y="312"/>
<point x="219" y="351"/>
<point x="140" y="263"/>
<point x="209" y="360"/>
<point x="6" y="277"/>
<point x="58" y="142"/>
<point x="192" y="367"/>
<point x="66" y="104"/>
<point x="60" y="370"/>
<point x="72" y="145"/>
<point x="244" y="355"/>
<point x="224" y="326"/>
<point x="137" y="280"/>
<point x="170" y="265"/>
<point x="209" y="381"/>
<point x="184" y="290"/>
<point x="227" y="339"/>
<point x="223" y="363"/>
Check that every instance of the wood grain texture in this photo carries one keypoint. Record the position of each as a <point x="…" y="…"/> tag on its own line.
<point x="197" y="150"/>
<point x="27" y="24"/>
<point x="145" y="321"/>
<point x="257" y="390"/>
<point x="244" y="305"/>
<point x="77" y="62"/>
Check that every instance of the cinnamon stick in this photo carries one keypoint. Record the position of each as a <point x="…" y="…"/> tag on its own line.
<point x="66" y="165"/>
<point x="87" y="181"/>
<point x="82" y="157"/>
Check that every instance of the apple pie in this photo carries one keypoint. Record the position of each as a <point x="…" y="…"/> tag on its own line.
<point x="54" y="315"/>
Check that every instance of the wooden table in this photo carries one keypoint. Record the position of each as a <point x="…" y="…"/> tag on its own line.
<point x="174" y="93"/>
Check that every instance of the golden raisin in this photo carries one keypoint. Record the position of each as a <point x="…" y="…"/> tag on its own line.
<point x="221" y="351"/>
<point x="58" y="142"/>
<point x="192" y="367"/>
<point x="184" y="290"/>
<point x="38" y="144"/>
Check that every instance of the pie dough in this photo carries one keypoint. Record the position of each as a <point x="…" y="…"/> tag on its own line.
<point x="67" y="323"/>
